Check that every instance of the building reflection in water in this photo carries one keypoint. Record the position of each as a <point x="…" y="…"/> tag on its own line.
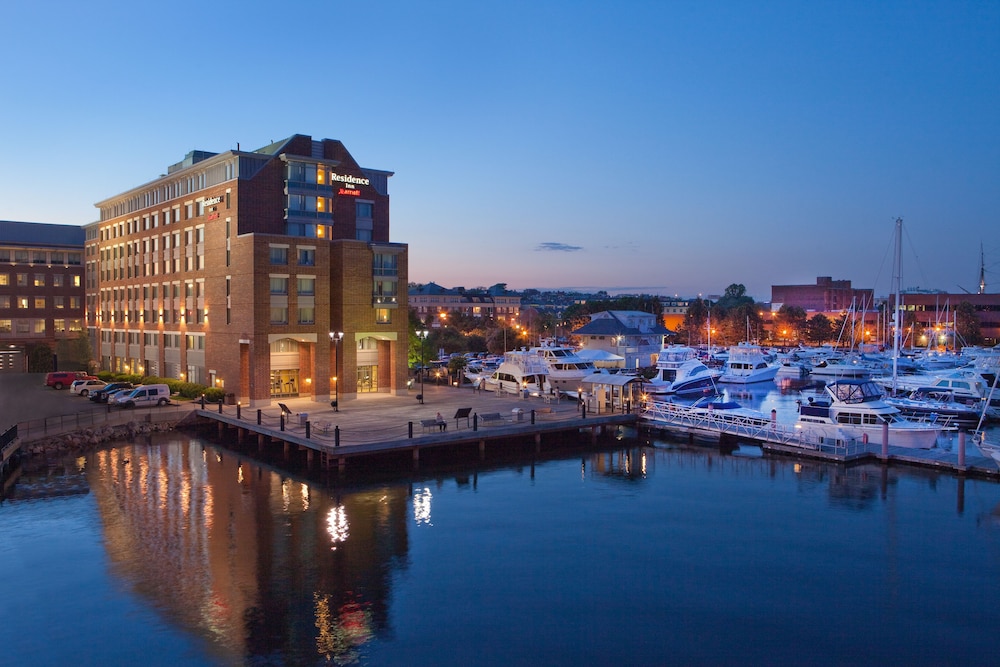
<point x="259" y="564"/>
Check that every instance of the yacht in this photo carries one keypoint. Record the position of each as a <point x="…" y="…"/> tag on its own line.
<point x="680" y="372"/>
<point x="564" y="368"/>
<point x="519" y="372"/>
<point x="747" y="363"/>
<point x="855" y="410"/>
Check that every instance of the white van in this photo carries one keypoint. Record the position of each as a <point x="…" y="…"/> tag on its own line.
<point x="144" y="395"/>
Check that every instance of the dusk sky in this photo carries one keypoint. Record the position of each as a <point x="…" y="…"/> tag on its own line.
<point x="659" y="147"/>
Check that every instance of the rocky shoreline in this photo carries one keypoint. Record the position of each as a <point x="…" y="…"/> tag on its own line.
<point x="88" y="439"/>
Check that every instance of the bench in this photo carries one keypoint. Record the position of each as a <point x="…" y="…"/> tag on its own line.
<point x="545" y="413"/>
<point x="491" y="418"/>
<point x="323" y="427"/>
<point x="462" y="413"/>
<point x="429" y="424"/>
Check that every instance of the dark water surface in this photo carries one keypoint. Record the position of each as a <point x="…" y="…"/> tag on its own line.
<point x="177" y="551"/>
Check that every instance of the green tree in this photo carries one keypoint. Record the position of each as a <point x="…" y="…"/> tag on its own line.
<point x="790" y="323"/>
<point x="695" y="319"/>
<point x="967" y="325"/>
<point x="818" y="329"/>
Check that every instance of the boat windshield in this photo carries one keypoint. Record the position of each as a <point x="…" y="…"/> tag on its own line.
<point x="855" y="392"/>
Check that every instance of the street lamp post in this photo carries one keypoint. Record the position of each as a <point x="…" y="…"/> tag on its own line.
<point x="422" y="335"/>
<point x="335" y="338"/>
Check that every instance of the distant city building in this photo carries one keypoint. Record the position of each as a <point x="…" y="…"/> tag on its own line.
<point x="935" y="311"/>
<point x="240" y="270"/>
<point x="674" y="312"/>
<point x="635" y="336"/>
<point x="41" y="288"/>
<point x="826" y="296"/>
<point x="433" y="303"/>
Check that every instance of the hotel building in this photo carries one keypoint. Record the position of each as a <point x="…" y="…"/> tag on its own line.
<point x="267" y="273"/>
<point x="41" y="290"/>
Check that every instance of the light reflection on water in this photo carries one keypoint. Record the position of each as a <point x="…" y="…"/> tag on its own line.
<point x="633" y="554"/>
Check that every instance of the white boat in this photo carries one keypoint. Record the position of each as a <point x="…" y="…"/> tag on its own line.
<point x="936" y="404"/>
<point x="747" y="363"/>
<point x="849" y="367"/>
<point x="680" y="372"/>
<point x="519" y="372"/>
<point x="564" y="368"/>
<point x="855" y="410"/>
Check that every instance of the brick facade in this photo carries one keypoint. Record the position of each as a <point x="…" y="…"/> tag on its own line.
<point x="263" y="254"/>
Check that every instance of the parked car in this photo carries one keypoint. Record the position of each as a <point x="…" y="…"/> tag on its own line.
<point x="101" y="395"/>
<point x="141" y="396"/>
<point x="84" y="387"/>
<point x="61" y="379"/>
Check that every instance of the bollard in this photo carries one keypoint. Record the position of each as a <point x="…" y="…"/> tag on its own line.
<point x="409" y="430"/>
<point x="238" y="406"/>
<point x="475" y="421"/>
<point x="336" y="436"/>
<point x="203" y="401"/>
<point x="307" y="430"/>
<point x="258" y="416"/>
<point x="532" y="415"/>
<point x="282" y="421"/>
<point x="961" y="449"/>
<point x="220" y="407"/>
<point x="583" y="410"/>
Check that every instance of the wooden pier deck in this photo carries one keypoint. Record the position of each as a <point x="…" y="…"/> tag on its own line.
<point x="388" y="425"/>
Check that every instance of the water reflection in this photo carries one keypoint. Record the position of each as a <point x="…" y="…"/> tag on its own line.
<point x="266" y="566"/>
<point x="230" y="548"/>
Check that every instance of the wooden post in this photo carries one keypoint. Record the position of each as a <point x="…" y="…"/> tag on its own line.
<point x="885" y="441"/>
<point x="961" y="450"/>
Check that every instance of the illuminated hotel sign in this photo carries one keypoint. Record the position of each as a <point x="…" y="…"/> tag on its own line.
<point x="351" y="184"/>
<point x="212" y="201"/>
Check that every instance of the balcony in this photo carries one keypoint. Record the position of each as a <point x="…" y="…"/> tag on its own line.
<point x="384" y="301"/>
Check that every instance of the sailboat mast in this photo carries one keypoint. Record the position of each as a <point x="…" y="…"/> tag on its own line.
<point x="898" y="277"/>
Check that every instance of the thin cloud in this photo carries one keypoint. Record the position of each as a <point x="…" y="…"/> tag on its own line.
<point x="557" y="247"/>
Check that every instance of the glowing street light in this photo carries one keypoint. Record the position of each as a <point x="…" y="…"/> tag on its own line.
<point x="422" y="335"/>
<point x="335" y="338"/>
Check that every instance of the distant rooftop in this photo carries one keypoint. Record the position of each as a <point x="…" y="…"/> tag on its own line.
<point x="40" y="234"/>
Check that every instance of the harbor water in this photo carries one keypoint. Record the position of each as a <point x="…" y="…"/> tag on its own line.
<point x="177" y="550"/>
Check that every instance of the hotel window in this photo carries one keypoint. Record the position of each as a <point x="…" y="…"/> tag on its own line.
<point x="188" y="210"/>
<point x="279" y="254"/>
<point x="58" y="258"/>
<point x="363" y="235"/>
<point x="383" y="316"/>
<point x="306" y="286"/>
<point x="307" y="315"/>
<point x="22" y="280"/>
<point x="4" y="301"/>
<point x="38" y="257"/>
<point x="279" y="314"/>
<point x="58" y="302"/>
<point x="21" y="256"/>
<point x="385" y="264"/>
<point x="38" y="326"/>
<point x="40" y="302"/>
<point x="4" y="279"/>
<point x="279" y="284"/>
<point x="4" y="255"/>
<point x="5" y="326"/>
<point x="75" y="258"/>
<point x="59" y="325"/>
<point x="57" y="280"/>
<point x="22" y="301"/>
<point x="307" y="257"/>
<point x="39" y="280"/>
<point x="363" y="209"/>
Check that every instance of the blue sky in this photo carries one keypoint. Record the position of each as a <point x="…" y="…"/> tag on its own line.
<point x="668" y="147"/>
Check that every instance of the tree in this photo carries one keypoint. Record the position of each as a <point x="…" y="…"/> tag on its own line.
<point x="818" y="329"/>
<point x="790" y="323"/>
<point x="967" y="325"/>
<point x="456" y="366"/>
<point x="695" y="319"/>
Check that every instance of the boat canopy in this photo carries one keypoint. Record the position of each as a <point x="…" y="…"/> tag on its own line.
<point x="847" y="391"/>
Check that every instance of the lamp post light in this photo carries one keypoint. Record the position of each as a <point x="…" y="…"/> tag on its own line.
<point x="335" y="338"/>
<point x="422" y="335"/>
